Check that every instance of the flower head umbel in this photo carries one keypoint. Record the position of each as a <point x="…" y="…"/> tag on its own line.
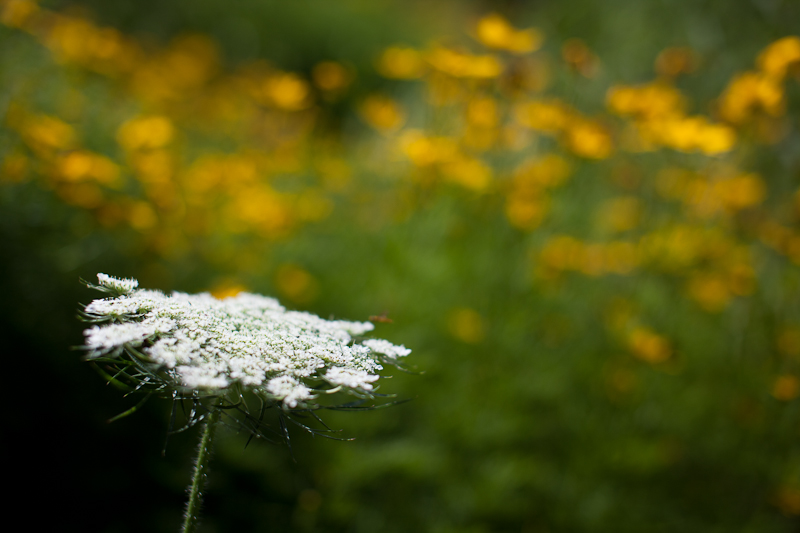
<point x="217" y="353"/>
<point x="199" y="345"/>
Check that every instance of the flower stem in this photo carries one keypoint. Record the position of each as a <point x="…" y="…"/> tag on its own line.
<point x="191" y="519"/>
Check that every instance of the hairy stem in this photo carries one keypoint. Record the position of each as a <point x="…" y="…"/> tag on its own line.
<point x="191" y="519"/>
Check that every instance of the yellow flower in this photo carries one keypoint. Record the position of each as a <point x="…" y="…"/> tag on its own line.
<point x="17" y="13"/>
<point x="646" y="101"/>
<point x="562" y="253"/>
<point x="526" y="212"/>
<point x="468" y="172"/>
<point x="786" y="388"/>
<point x="620" y="214"/>
<point x="401" y="63"/>
<point x="288" y="91"/>
<point x="778" y="57"/>
<point x="750" y="92"/>
<point x="495" y="31"/>
<point x="226" y="288"/>
<point x="482" y="112"/>
<point x="145" y="132"/>
<point x="621" y="257"/>
<point x="550" y="116"/>
<point x="788" y="342"/>
<point x="589" y="139"/>
<point x="296" y="283"/>
<point x="82" y="165"/>
<point x="673" y="61"/>
<point x="649" y="346"/>
<point x="537" y="173"/>
<point x="578" y="56"/>
<point x="710" y="291"/>
<point x="466" y="325"/>
<point x="382" y="113"/>
<point x="463" y="65"/>
<point x="424" y="151"/>
<point x="14" y="167"/>
<point x="45" y="133"/>
<point x="331" y="76"/>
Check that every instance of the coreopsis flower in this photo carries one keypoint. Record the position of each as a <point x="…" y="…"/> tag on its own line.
<point x="195" y="344"/>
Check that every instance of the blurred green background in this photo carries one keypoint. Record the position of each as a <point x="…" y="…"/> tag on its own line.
<point x="605" y="306"/>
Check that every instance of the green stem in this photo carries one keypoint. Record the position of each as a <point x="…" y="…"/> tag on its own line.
<point x="191" y="520"/>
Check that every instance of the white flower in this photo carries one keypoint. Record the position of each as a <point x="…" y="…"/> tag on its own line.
<point x="386" y="348"/>
<point x="249" y="339"/>
<point x="348" y="377"/>
<point x="118" y="284"/>
<point x="289" y="390"/>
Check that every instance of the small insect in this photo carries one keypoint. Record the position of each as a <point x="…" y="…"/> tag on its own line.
<point x="381" y="318"/>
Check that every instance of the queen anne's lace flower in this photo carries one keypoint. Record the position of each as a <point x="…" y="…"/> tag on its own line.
<point x="206" y="343"/>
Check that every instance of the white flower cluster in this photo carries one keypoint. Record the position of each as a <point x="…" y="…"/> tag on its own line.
<point x="248" y="338"/>
<point x="118" y="284"/>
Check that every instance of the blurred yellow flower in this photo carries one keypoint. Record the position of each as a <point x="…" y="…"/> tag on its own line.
<point x="14" y="167"/>
<point x="331" y="76"/>
<point x="382" y="113"/>
<point x="154" y="166"/>
<point x="649" y="346"/>
<point x="674" y="61"/>
<point x="466" y="325"/>
<point x="578" y="56"/>
<point x="463" y="65"/>
<point x="141" y="216"/>
<point x="494" y="31"/>
<point x="710" y="290"/>
<point x="85" y="195"/>
<point x="296" y="283"/>
<point x="749" y="93"/>
<point x="526" y="212"/>
<point x="468" y="172"/>
<point x="226" y="288"/>
<point x="537" y="173"/>
<point x="621" y="257"/>
<point x="562" y="252"/>
<point x="589" y="139"/>
<point x="620" y="214"/>
<point x="288" y="91"/>
<point x="788" y="500"/>
<point x="258" y="208"/>
<point x="401" y="63"/>
<point x="648" y="101"/>
<point x="145" y="132"/>
<point x="689" y="134"/>
<point x="778" y="57"/>
<point x="46" y="133"/>
<point x="17" y="13"/>
<point x="424" y="151"/>
<point x="527" y="202"/>
<point x="190" y="60"/>
<point x="549" y="116"/>
<point x="786" y="388"/>
<point x="482" y="112"/>
<point x="82" y="165"/>
<point x="788" y="342"/>
<point x="740" y="192"/>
